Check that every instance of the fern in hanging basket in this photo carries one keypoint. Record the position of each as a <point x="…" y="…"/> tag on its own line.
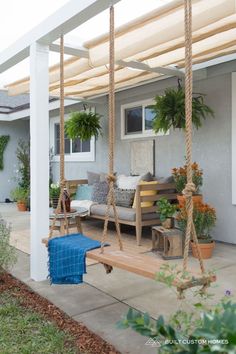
<point x="169" y="110"/>
<point x="83" y="125"/>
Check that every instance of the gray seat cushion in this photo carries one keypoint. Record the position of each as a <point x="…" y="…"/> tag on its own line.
<point x="127" y="214"/>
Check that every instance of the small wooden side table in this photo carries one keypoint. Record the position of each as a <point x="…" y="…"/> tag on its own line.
<point x="168" y="241"/>
<point x="73" y="219"/>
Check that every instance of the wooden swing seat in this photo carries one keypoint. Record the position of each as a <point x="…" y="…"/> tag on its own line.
<point x="142" y="265"/>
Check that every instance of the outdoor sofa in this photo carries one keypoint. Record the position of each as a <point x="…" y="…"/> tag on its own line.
<point x="145" y="211"/>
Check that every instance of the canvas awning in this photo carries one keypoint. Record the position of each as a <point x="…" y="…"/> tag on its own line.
<point x="156" y="39"/>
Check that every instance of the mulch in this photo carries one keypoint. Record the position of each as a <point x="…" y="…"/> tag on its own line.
<point x="85" y="340"/>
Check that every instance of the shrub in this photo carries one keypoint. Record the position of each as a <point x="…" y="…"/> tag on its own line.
<point x="20" y="194"/>
<point x="7" y="252"/>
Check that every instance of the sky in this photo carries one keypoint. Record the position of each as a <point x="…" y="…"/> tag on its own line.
<point x="17" y="17"/>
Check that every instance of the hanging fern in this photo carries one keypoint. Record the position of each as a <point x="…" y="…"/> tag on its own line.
<point x="169" y="110"/>
<point x="83" y="125"/>
<point x="3" y="143"/>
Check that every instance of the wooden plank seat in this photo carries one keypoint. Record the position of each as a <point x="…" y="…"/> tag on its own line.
<point x="142" y="265"/>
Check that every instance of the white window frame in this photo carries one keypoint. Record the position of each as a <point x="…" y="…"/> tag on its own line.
<point x="73" y="156"/>
<point x="145" y="133"/>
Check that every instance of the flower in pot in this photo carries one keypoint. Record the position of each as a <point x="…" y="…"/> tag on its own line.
<point x="20" y="195"/>
<point x="54" y="193"/>
<point x="166" y="211"/>
<point x="204" y="218"/>
<point x="169" y="110"/>
<point x="180" y="179"/>
<point x="83" y="125"/>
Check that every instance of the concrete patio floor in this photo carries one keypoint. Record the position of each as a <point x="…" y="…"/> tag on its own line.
<point x="102" y="299"/>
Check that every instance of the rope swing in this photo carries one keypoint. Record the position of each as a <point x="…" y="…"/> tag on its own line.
<point x="111" y="179"/>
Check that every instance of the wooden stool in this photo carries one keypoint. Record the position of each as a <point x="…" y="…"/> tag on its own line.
<point x="169" y="241"/>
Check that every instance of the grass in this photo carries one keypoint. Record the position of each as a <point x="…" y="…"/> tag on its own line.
<point x="24" y="331"/>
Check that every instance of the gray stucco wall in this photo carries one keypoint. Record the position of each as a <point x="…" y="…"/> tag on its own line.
<point x="211" y="144"/>
<point x="16" y="130"/>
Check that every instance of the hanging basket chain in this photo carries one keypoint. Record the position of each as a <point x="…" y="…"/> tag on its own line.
<point x="61" y="199"/>
<point x="190" y="187"/>
<point x="111" y="177"/>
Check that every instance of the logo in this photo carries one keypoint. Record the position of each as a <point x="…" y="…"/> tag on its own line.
<point x="153" y="342"/>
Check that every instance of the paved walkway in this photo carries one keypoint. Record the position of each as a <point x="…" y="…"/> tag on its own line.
<point x="101" y="301"/>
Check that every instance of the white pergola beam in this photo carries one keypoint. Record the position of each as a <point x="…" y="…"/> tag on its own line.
<point x="70" y="49"/>
<point x="159" y="70"/>
<point x="64" y="20"/>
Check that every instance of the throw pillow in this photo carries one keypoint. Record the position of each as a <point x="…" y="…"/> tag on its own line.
<point x="146" y="193"/>
<point x="100" y="192"/>
<point x="93" y="177"/>
<point x="124" y="198"/>
<point x="84" y="192"/>
<point x="148" y="177"/>
<point x="127" y="182"/>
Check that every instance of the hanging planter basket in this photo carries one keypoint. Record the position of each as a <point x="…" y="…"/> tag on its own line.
<point x="83" y="125"/>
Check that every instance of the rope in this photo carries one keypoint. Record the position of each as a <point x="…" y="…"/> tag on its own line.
<point x="111" y="178"/>
<point x="190" y="187"/>
<point x="61" y="199"/>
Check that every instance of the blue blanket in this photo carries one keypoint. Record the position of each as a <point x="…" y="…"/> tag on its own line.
<point x="67" y="258"/>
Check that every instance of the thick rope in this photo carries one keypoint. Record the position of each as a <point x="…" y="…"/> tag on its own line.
<point x="190" y="187"/>
<point x="61" y="199"/>
<point x="111" y="178"/>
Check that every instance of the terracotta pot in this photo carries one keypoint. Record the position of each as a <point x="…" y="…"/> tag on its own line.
<point x="21" y="206"/>
<point x="168" y="223"/>
<point x="206" y="249"/>
<point x="54" y="202"/>
<point x="197" y="199"/>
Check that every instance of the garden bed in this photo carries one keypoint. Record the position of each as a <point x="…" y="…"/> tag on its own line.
<point x="29" y="320"/>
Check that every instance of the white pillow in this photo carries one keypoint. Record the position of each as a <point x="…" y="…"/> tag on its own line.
<point x="127" y="182"/>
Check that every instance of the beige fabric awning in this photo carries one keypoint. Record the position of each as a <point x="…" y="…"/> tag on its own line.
<point x="156" y="39"/>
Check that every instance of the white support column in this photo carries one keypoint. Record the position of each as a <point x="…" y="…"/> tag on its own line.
<point x="233" y="98"/>
<point x="39" y="135"/>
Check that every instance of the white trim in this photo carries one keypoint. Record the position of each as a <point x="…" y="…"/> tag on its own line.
<point x="145" y="133"/>
<point x="72" y="157"/>
<point x="24" y="113"/>
<point x="233" y="138"/>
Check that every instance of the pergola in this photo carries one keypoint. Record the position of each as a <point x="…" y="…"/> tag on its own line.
<point x="152" y="44"/>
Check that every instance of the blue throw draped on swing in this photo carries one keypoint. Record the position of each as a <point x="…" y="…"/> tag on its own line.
<point x="67" y="256"/>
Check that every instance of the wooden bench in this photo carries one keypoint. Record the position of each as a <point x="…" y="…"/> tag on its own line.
<point x="141" y="213"/>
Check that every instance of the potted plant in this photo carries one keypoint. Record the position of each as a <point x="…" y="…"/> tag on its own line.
<point x="54" y="193"/>
<point x="20" y="195"/>
<point x="169" y="110"/>
<point x="83" y="125"/>
<point x="204" y="218"/>
<point x="180" y="179"/>
<point x="166" y="211"/>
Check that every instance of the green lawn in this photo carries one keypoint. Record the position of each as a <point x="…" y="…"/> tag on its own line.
<point x="25" y="332"/>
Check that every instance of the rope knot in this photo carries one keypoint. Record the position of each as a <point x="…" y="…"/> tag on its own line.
<point x="111" y="178"/>
<point x="189" y="189"/>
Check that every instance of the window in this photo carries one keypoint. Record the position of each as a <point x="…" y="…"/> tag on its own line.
<point x="75" y="150"/>
<point x="137" y="120"/>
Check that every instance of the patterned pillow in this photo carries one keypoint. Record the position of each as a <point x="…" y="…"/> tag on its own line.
<point x="124" y="197"/>
<point x="100" y="192"/>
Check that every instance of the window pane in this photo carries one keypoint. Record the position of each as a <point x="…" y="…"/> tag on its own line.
<point x="133" y="120"/>
<point x="57" y="141"/>
<point x="80" y="146"/>
<point x="67" y="146"/>
<point x="86" y="146"/>
<point x="149" y="115"/>
<point x="76" y="145"/>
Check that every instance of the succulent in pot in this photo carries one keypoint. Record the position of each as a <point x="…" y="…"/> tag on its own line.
<point x="166" y="211"/>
